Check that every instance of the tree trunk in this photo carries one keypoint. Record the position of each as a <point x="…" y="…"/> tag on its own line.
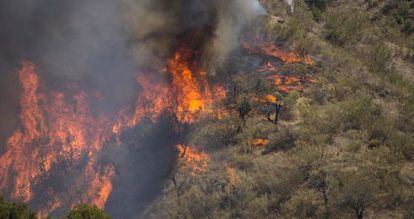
<point x="278" y="109"/>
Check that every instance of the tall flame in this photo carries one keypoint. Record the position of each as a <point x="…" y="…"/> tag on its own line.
<point x="192" y="95"/>
<point x="59" y="129"/>
<point x="55" y="128"/>
<point x="189" y="97"/>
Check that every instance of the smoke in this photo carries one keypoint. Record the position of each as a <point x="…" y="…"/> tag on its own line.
<point x="159" y="24"/>
<point x="102" y="44"/>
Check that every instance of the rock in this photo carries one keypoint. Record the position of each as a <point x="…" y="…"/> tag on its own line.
<point x="277" y="19"/>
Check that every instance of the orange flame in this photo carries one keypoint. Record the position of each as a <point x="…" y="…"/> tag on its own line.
<point x="192" y="95"/>
<point x="52" y="131"/>
<point x="259" y="142"/>
<point x="59" y="127"/>
<point x="150" y="103"/>
<point x="271" y="99"/>
<point x="194" y="162"/>
<point x="231" y="173"/>
<point x="189" y="97"/>
<point x="285" y="84"/>
<point x="270" y="49"/>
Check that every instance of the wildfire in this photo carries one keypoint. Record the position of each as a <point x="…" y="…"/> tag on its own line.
<point x="193" y="161"/>
<point x="192" y="96"/>
<point x="188" y="97"/>
<point x="271" y="99"/>
<point x="58" y="129"/>
<point x="271" y="49"/>
<point x="55" y="128"/>
<point x="259" y="142"/>
<point x="285" y="84"/>
<point x="268" y="67"/>
<point x="231" y="173"/>
<point x="150" y="103"/>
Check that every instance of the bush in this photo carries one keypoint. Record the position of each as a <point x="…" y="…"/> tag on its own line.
<point x="215" y="134"/>
<point x="15" y="210"/>
<point x="282" y="140"/>
<point x="343" y="27"/>
<point x="379" y="58"/>
<point x="405" y="121"/>
<point x="318" y="4"/>
<point x="373" y="3"/>
<point x="83" y="211"/>
<point x="403" y="14"/>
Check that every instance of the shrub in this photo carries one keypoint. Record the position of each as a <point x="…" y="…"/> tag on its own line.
<point x="379" y="58"/>
<point x="215" y="134"/>
<point x="83" y="211"/>
<point x="355" y="192"/>
<point x="282" y="140"/>
<point x="409" y="213"/>
<point x="319" y="4"/>
<point x="401" y="11"/>
<point x="405" y="121"/>
<point x="317" y="7"/>
<point x="373" y="3"/>
<point x="14" y="210"/>
<point x="343" y="27"/>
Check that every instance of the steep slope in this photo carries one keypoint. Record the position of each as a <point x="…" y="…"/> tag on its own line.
<point x="344" y="144"/>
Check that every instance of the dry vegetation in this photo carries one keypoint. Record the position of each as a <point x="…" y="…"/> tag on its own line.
<point x="344" y="148"/>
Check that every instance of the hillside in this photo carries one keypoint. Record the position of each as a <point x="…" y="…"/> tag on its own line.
<point x="344" y="145"/>
<point x="313" y="118"/>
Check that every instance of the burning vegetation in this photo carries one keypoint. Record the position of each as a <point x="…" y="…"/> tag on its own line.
<point x="59" y="132"/>
<point x="59" y="129"/>
<point x="63" y="133"/>
<point x="56" y="130"/>
<point x="206" y="109"/>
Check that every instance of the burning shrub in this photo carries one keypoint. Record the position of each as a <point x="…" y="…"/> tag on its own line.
<point x="192" y="161"/>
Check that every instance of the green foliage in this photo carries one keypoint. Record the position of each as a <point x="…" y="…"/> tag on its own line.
<point x="15" y="210"/>
<point x="83" y="211"/>
<point x="373" y="3"/>
<point x="215" y="134"/>
<point x="402" y="11"/>
<point x="409" y="214"/>
<point x="343" y="27"/>
<point x="379" y="58"/>
<point x="405" y="120"/>
<point x="244" y="107"/>
<point x="282" y="140"/>
<point x="347" y="149"/>
<point x="355" y="192"/>
<point x="317" y="6"/>
<point x="320" y="123"/>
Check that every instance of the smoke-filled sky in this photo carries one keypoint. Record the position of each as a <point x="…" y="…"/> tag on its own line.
<point x="101" y="44"/>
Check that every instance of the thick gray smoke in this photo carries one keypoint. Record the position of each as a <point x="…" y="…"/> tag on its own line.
<point x="102" y="44"/>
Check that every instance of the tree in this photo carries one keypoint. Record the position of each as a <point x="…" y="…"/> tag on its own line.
<point x="244" y="107"/>
<point x="320" y="182"/>
<point x="83" y="211"/>
<point x="15" y="210"/>
<point x="356" y="192"/>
